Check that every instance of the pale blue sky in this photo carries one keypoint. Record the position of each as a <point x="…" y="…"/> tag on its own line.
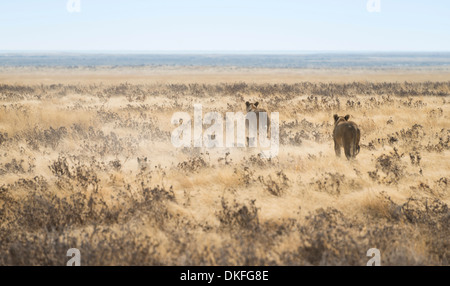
<point x="225" y="25"/>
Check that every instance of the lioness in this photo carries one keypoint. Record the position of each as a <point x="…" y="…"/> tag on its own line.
<point x="253" y="107"/>
<point x="346" y="134"/>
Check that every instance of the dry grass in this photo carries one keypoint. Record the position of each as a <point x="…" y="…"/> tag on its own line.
<point x="91" y="166"/>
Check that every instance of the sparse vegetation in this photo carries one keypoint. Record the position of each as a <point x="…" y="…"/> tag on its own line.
<point x="91" y="166"/>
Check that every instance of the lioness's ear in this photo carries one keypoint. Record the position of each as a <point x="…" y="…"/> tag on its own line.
<point x="256" y="104"/>
<point x="335" y="117"/>
<point x="347" y="117"/>
<point x="247" y="103"/>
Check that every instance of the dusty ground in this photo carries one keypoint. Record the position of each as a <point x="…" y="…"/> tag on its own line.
<point x="212" y="75"/>
<point x="86" y="162"/>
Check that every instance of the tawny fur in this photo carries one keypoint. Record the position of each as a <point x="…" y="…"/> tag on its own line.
<point x="346" y="134"/>
<point x="253" y="107"/>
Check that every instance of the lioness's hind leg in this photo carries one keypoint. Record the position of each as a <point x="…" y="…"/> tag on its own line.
<point x="251" y="142"/>
<point x="337" y="149"/>
<point x="348" y="151"/>
<point x="358" y="136"/>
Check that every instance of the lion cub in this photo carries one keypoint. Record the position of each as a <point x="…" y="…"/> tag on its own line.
<point x="346" y="134"/>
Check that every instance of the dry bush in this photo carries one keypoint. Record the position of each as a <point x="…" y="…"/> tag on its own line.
<point x="92" y="167"/>
<point x="391" y="166"/>
<point x="243" y="216"/>
<point x="276" y="186"/>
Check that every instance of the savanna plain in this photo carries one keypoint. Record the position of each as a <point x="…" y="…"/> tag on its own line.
<point x="86" y="161"/>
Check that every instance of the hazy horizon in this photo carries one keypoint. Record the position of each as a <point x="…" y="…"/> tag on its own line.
<point x="247" y="60"/>
<point x="224" y="52"/>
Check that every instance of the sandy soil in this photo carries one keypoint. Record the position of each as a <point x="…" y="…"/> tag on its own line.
<point x="211" y="75"/>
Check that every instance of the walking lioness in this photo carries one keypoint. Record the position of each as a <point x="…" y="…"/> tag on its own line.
<point x="253" y="107"/>
<point x="346" y="134"/>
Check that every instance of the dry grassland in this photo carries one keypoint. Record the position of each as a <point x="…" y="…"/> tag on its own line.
<point x="87" y="163"/>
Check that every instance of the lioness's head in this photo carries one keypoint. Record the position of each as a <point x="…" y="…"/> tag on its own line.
<point x="338" y="118"/>
<point x="251" y="106"/>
